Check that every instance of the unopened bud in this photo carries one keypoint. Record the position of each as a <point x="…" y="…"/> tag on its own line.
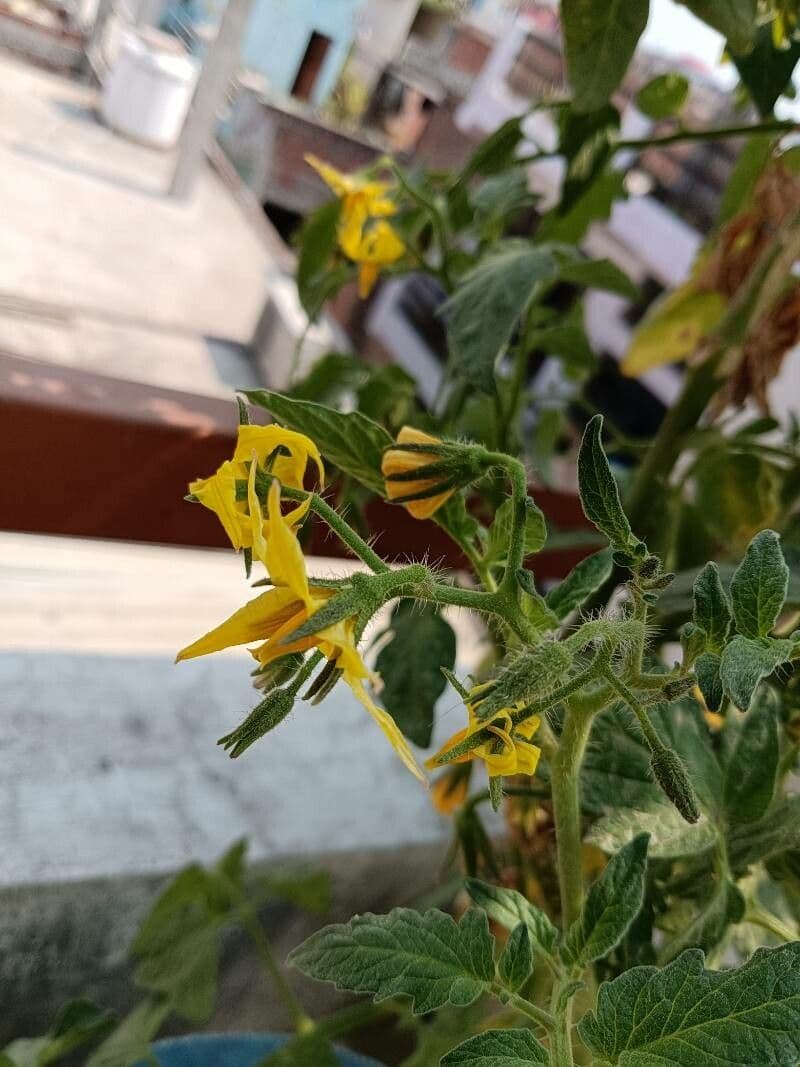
<point x="649" y="567"/>
<point x="529" y="677"/>
<point x="670" y="773"/>
<point x="272" y="710"/>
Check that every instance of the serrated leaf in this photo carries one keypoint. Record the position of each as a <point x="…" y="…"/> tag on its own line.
<point x="130" y="1042"/>
<point x="410" y="667"/>
<point x="583" y="580"/>
<point x="594" y="205"/>
<point x="426" y="957"/>
<point x="599" y="491"/>
<point x="712" y="610"/>
<point x="663" y="96"/>
<point x="734" y="19"/>
<point x="777" y="832"/>
<point x="707" y="671"/>
<point x="598" y="274"/>
<point x="485" y="308"/>
<point x="348" y="440"/>
<point x="746" y="661"/>
<point x="611" y="905"/>
<point x="685" y="1016"/>
<point x="670" y="835"/>
<point x="752" y="763"/>
<point x="516" y="960"/>
<point x="498" y="1048"/>
<point x="496" y="152"/>
<point x="600" y="40"/>
<point x="759" y="586"/>
<point x="509" y="908"/>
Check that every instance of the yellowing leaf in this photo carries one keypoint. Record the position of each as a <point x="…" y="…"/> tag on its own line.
<point x="673" y="329"/>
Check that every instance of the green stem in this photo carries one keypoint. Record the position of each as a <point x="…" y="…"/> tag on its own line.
<point x="565" y="785"/>
<point x="539" y="1015"/>
<point x="720" y="134"/>
<point x="760" y="917"/>
<point x="561" y="1037"/>
<point x="357" y="545"/>
<point x="622" y="690"/>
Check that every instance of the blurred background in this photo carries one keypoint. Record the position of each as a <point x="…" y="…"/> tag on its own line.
<point x="152" y="178"/>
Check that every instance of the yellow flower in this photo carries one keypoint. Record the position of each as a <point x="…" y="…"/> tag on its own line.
<point x="396" y="462"/>
<point x="364" y="235"/>
<point x="242" y="519"/>
<point x="508" y="751"/>
<point x="275" y="614"/>
<point x="450" y="789"/>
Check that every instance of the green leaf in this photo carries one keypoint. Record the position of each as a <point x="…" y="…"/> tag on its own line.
<point x="387" y="395"/>
<point x="750" y="165"/>
<point x="77" y="1023"/>
<point x="670" y="835"/>
<point x="767" y="70"/>
<point x="685" y="1016"/>
<point x="712" y="610"/>
<point x="725" y="907"/>
<point x="483" y="311"/>
<point x="759" y="586"/>
<point x="777" y="832"/>
<point x="734" y="19"/>
<point x="663" y="96"/>
<point x="426" y="957"/>
<point x="304" y="1050"/>
<point x="509" y="908"/>
<point x="309" y="890"/>
<point x="130" y="1042"/>
<point x="422" y="642"/>
<point x="585" y="141"/>
<point x="740" y="493"/>
<point x="594" y="205"/>
<point x="672" y="328"/>
<point x="350" y="440"/>
<point x="599" y="491"/>
<point x="682" y="728"/>
<point x="583" y="580"/>
<point x="516" y="960"/>
<point x="616" y="768"/>
<point x="611" y="905"/>
<point x="600" y="40"/>
<point x="567" y="341"/>
<point x="707" y="671"/>
<point x="746" y="661"/>
<point x="752" y="764"/>
<point x="498" y="1048"/>
<point x="496" y="152"/>
<point x="317" y="278"/>
<point x="500" y="530"/>
<point x="598" y="274"/>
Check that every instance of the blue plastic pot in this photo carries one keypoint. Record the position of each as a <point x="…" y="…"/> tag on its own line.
<point x="234" y="1050"/>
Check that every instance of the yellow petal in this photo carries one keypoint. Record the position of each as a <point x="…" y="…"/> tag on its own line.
<point x="283" y="556"/>
<point x="254" y="622"/>
<point x="218" y="494"/>
<point x="386" y="723"/>
<point x="340" y="183"/>
<point x="381" y="244"/>
<point x="367" y="276"/>
<point x="263" y="440"/>
<point x="256" y="517"/>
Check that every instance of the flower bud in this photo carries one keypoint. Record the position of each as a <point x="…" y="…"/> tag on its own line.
<point x="670" y="773"/>
<point x="272" y="710"/>
<point x="422" y="471"/>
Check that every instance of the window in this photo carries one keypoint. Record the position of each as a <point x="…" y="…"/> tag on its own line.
<point x="308" y="72"/>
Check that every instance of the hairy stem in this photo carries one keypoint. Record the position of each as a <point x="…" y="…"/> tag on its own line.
<point x="565" y="784"/>
<point x="346" y="534"/>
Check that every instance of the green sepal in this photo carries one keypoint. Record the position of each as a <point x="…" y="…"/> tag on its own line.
<point x="270" y="713"/>
<point x="345" y="605"/>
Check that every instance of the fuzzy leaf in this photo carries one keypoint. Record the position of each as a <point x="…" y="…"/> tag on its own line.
<point x="670" y="835"/>
<point x="746" y="661"/>
<point x="685" y="1016"/>
<point x="483" y="311"/>
<point x="707" y="671"/>
<point x="777" y="832"/>
<point x="712" y="610"/>
<point x="752" y="765"/>
<point x="349" y="440"/>
<point x="410" y="667"/>
<point x="759" y="586"/>
<point x="498" y="1048"/>
<point x="600" y="40"/>
<point x="500" y="530"/>
<point x="725" y="906"/>
<point x="516" y="960"/>
<point x="426" y="957"/>
<point x="509" y="908"/>
<point x="599" y="491"/>
<point x="611" y="905"/>
<point x="583" y="580"/>
<point x="598" y="274"/>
